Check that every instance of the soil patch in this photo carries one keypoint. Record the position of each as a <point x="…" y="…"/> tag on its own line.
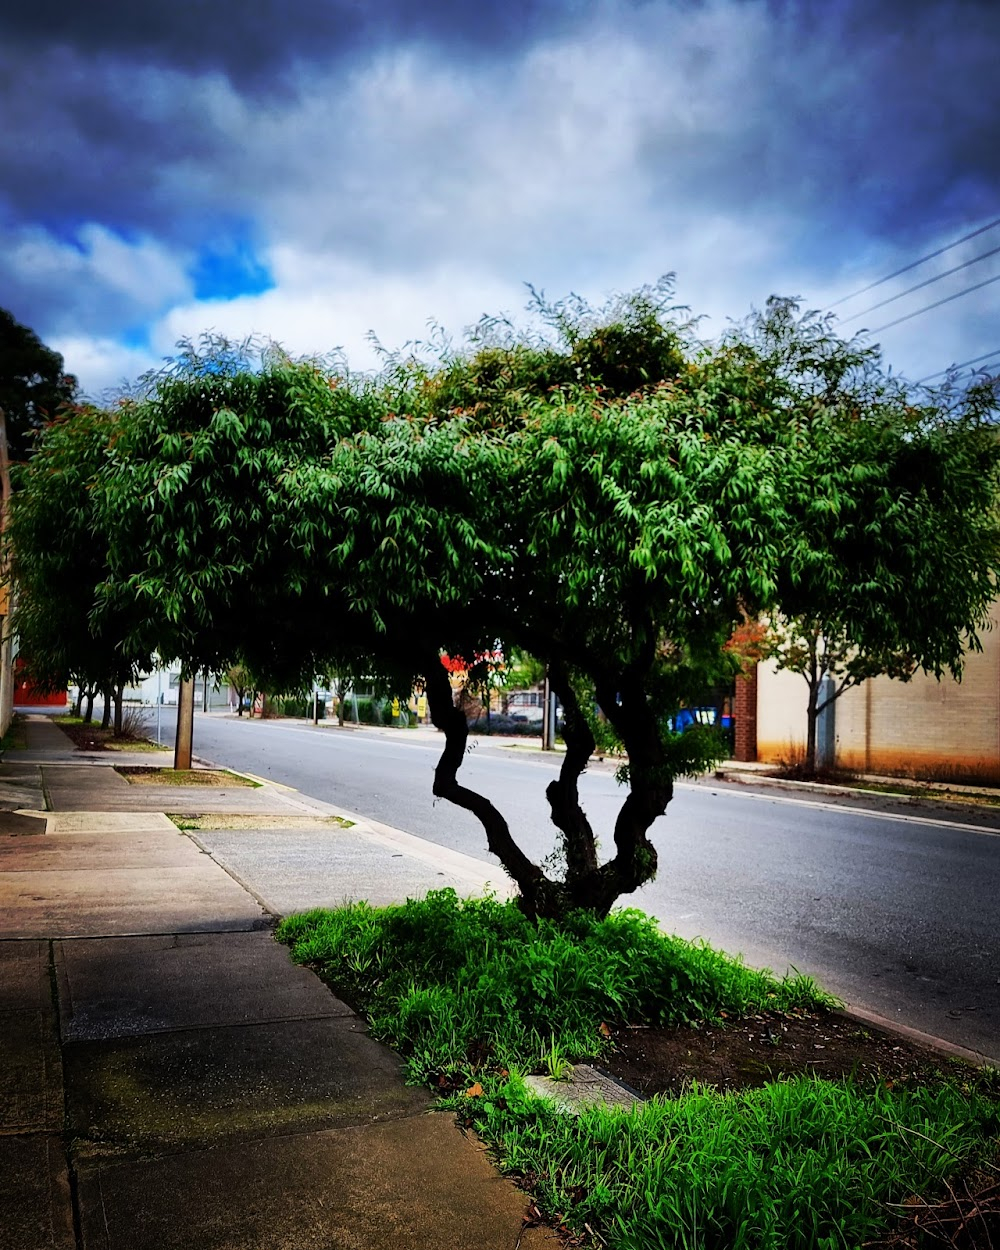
<point x="94" y="738"/>
<point x="746" y="1054"/>
<point x="137" y="775"/>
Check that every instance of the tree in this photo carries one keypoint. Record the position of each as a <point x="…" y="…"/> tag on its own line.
<point x="299" y="521"/>
<point x="33" y="385"/>
<point x="898" y="547"/>
<point x="242" y="685"/>
<point x="58" y="553"/>
<point x="519" y="493"/>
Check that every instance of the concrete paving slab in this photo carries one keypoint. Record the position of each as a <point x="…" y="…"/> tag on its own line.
<point x="17" y="797"/>
<point x="73" y="851"/>
<point x="31" y="1091"/>
<point x="31" y="1095"/>
<point x="413" y="1184"/>
<point x="295" y="870"/>
<point x="25" y="980"/>
<point x="203" y="1086"/>
<point x="83" y="777"/>
<point x="109" y="822"/>
<point x="117" y="987"/>
<point x="194" y="799"/>
<point x="21" y="823"/>
<point x="34" y="1195"/>
<point x="14" y="771"/>
<point x="119" y="901"/>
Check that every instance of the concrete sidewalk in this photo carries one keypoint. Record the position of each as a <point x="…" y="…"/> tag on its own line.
<point x="168" y="1078"/>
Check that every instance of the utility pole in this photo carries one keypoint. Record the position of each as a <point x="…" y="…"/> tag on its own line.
<point x="185" y="723"/>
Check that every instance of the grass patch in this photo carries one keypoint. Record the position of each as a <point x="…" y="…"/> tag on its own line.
<point x="462" y="986"/>
<point x="474" y="996"/>
<point x="802" y="1164"/>
<point x="185" y="777"/>
<point x="16" y="737"/>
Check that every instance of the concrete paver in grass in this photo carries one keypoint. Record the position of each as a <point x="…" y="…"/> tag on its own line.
<point x="200" y="1087"/>
<point x="409" y="1184"/>
<point x="116" y="987"/>
<point x="91" y="902"/>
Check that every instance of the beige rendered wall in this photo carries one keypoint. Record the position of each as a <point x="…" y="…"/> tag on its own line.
<point x="781" y="715"/>
<point x="921" y="728"/>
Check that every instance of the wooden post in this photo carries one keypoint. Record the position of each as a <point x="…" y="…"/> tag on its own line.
<point x="185" y="723"/>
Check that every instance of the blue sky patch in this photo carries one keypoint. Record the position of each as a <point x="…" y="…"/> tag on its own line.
<point x="228" y="270"/>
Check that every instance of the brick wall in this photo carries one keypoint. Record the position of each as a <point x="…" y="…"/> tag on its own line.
<point x="745" y="711"/>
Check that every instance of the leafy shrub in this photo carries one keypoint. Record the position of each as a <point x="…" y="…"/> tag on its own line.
<point x="369" y="710"/>
<point x="301" y="707"/>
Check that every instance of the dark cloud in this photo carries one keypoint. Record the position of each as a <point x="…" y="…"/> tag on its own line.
<point x="524" y="138"/>
<point x="254" y="44"/>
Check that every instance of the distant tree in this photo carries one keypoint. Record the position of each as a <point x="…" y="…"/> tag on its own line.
<point x="242" y="685"/>
<point x="58" y="554"/>
<point x="33" y="384"/>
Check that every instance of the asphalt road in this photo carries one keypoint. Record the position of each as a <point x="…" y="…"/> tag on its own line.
<point x="898" y="914"/>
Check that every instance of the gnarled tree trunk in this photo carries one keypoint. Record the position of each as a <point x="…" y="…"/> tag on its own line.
<point x="588" y="884"/>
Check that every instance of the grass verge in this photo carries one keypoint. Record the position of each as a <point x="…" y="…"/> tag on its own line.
<point x="139" y="775"/>
<point x="474" y="996"/>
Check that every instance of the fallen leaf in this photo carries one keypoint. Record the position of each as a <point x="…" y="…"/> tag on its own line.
<point x="605" y="1030"/>
<point x="474" y="1091"/>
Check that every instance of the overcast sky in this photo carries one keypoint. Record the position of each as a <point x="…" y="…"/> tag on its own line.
<point x="314" y="169"/>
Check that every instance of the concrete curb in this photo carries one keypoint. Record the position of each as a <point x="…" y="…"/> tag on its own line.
<point x="948" y="1050"/>
<point x="738" y="777"/>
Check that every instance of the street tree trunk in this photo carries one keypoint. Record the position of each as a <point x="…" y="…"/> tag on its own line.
<point x="88" y="714"/>
<point x="119" y="693"/>
<point x="106" y="719"/>
<point x="587" y="884"/>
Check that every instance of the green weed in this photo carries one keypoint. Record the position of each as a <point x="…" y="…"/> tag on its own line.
<point x="803" y="1164"/>
<point x="458" y="987"/>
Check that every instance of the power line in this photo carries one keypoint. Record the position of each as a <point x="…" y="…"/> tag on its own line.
<point x="927" y="282"/>
<point x="937" y="304"/>
<point x="906" y="268"/>
<point x="965" y="363"/>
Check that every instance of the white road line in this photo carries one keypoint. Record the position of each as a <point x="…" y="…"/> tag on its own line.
<point x="852" y="811"/>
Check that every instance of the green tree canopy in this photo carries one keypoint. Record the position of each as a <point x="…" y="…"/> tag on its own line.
<point x="58" y="550"/>
<point x="616" y="511"/>
<point x="897" y="548"/>
<point x="33" y="384"/>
